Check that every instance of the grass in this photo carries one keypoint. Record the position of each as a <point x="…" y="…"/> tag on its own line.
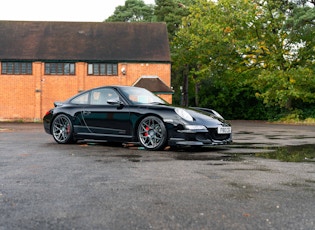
<point x="286" y="120"/>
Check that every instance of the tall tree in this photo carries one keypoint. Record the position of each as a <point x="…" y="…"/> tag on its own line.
<point x="205" y="42"/>
<point x="286" y="76"/>
<point x="250" y="44"/>
<point x="133" y="11"/>
<point x="171" y="12"/>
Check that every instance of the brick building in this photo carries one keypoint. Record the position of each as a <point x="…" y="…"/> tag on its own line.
<point x="43" y="62"/>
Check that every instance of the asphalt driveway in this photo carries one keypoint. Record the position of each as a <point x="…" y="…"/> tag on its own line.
<point x="88" y="185"/>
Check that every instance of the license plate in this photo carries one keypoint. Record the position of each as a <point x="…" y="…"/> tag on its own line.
<point x="224" y="130"/>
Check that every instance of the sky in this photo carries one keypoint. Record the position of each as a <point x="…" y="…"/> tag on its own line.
<point x="60" y="10"/>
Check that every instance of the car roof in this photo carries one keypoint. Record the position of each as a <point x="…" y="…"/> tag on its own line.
<point x="100" y="87"/>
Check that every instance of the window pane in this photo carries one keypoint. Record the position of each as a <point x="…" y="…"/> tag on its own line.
<point x="115" y="69"/>
<point x="29" y="68"/>
<point x="102" y="69"/>
<point x="72" y="68"/>
<point x="109" y="69"/>
<point x="60" y="68"/>
<point x="95" y="69"/>
<point x="16" y="68"/>
<point x="23" y="68"/>
<point x="53" y="68"/>
<point x="82" y="99"/>
<point x="66" y="69"/>
<point x="10" y="68"/>
<point x="3" y="68"/>
<point x="90" y="69"/>
<point x="101" y="96"/>
<point x="47" y="68"/>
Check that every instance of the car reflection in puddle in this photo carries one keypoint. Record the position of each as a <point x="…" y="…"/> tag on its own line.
<point x="237" y="152"/>
<point x="303" y="153"/>
<point x="300" y="153"/>
<point x="234" y="152"/>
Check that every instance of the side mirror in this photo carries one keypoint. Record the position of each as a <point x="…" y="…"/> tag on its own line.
<point x="115" y="102"/>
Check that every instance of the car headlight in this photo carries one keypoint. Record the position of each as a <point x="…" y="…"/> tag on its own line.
<point x="195" y="127"/>
<point x="183" y="114"/>
<point x="217" y="114"/>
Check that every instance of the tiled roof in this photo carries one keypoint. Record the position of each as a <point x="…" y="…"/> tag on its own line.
<point x="153" y="84"/>
<point x="84" y="41"/>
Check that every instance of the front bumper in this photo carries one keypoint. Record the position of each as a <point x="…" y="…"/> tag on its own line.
<point x="199" y="138"/>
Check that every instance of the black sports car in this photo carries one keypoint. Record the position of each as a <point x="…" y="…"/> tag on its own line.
<point x="132" y="114"/>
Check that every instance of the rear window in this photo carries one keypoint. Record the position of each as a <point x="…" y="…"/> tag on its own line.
<point x="81" y="99"/>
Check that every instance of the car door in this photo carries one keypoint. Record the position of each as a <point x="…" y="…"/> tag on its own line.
<point x="107" y="119"/>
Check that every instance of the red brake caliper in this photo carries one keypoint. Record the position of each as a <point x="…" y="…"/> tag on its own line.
<point x="68" y="128"/>
<point x="147" y="129"/>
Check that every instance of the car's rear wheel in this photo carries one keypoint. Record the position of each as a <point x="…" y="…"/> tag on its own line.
<point x="62" y="129"/>
<point x="152" y="133"/>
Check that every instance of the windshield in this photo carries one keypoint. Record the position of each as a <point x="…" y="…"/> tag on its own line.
<point x="141" y="96"/>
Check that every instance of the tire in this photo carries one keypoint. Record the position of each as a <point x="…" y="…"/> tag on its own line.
<point x="152" y="133"/>
<point x="62" y="129"/>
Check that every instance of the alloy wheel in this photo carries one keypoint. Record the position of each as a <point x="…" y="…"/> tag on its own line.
<point x="152" y="133"/>
<point x="62" y="129"/>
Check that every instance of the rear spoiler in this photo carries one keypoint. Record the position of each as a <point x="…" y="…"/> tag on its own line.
<point x="58" y="103"/>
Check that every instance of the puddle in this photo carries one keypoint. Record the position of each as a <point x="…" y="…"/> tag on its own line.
<point x="245" y="132"/>
<point x="233" y="152"/>
<point x="205" y="157"/>
<point x="131" y="157"/>
<point x="281" y="136"/>
<point x="2" y="130"/>
<point x="303" y="153"/>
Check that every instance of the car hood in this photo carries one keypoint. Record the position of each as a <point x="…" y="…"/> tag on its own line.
<point x="202" y="116"/>
<point x="206" y="118"/>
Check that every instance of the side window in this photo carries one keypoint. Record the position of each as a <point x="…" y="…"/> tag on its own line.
<point x="101" y="96"/>
<point x="81" y="99"/>
<point x="103" y="69"/>
<point x="59" y="68"/>
<point x="16" y="68"/>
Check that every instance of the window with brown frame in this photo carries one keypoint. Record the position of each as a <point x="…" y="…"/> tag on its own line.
<point x="103" y="69"/>
<point x="59" y="68"/>
<point x="16" y="68"/>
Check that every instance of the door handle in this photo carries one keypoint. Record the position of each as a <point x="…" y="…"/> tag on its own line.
<point x="85" y="113"/>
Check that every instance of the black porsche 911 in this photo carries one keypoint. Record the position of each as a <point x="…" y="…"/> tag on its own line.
<point x="132" y="114"/>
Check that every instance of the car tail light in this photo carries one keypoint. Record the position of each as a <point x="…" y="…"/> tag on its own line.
<point x="48" y="112"/>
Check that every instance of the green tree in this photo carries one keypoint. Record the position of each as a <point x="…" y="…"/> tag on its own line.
<point x="206" y="45"/>
<point x="249" y="46"/>
<point x="171" y="12"/>
<point x="286" y="75"/>
<point x="133" y="11"/>
<point x="301" y="30"/>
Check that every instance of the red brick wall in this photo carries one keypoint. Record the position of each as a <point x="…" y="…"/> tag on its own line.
<point x="28" y="97"/>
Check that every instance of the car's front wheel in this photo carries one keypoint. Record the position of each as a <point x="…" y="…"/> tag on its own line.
<point x="62" y="129"/>
<point x="152" y="133"/>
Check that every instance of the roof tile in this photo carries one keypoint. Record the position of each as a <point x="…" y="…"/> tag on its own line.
<point x="84" y="41"/>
